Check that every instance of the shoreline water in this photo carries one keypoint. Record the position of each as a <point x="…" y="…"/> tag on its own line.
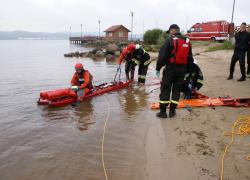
<point x="40" y="143"/>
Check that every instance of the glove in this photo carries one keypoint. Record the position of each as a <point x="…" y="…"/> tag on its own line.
<point x="188" y="92"/>
<point x="74" y="88"/>
<point x="118" y="67"/>
<point x="157" y="73"/>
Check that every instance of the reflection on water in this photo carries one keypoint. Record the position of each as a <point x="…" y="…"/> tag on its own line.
<point x="64" y="143"/>
<point x="134" y="101"/>
<point x="81" y="114"/>
<point x="84" y="111"/>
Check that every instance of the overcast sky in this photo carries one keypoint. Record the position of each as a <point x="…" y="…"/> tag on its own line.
<point x="59" y="15"/>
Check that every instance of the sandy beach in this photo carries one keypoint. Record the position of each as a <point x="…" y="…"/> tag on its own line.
<point x="190" y="146"/>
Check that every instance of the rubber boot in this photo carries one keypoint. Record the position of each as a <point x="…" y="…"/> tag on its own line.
<point x="230" y="77"/>
<point x="172" y="111"/>
<point x="243" y="78"/>
<point x="162" y="113"/>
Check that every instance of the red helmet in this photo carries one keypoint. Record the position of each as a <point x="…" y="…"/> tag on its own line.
<point x="79" y="66"/>
<point x="131" y="47"/>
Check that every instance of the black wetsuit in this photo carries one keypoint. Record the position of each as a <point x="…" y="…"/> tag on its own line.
<point x="193" y="80"/>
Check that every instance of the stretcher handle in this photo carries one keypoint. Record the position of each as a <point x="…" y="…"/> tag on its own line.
<point x="118" y="72"/>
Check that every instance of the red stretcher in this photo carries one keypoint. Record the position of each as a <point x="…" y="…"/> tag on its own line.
<point x="64" y="97"/>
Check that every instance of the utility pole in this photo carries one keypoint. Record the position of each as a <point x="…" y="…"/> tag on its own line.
<point x="99" y="22"/>
<point x="132" y="23"/>
<point x="69" y="31"/>
<point x="232" y="20"/>
<point x="142" y="27"/>
<point x="81" y="30"/>
<point x="231" y="27"/>
<point x="156" y="23"/>
<point x="186" y="23"/>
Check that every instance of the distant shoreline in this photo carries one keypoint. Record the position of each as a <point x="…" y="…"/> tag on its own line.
<point x="25" y="39"/>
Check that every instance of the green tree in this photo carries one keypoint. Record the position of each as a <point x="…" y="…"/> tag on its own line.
<point x="152" y="36"/>
<point x="162" y="39"/>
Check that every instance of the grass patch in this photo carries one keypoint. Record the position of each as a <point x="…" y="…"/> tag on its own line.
<point x="226" y="45"/>
<point x="151" y="48"/>
<point x="200" y="43"/>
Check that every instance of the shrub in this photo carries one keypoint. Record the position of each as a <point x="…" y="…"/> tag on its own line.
<point x="152" y="36"/>
<point x="226" y="45"/>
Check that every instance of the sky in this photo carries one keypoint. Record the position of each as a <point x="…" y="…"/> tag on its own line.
<point x="60" y="15"/>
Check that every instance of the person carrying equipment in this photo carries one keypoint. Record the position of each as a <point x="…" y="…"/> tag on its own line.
<point x="134" y="55"/>
<point x="175" y="55"/>
<point x="193" y="80"/>
<point x="81" y="81"/>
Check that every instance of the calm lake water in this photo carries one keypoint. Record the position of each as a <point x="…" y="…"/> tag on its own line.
<point x="65" y="143"/>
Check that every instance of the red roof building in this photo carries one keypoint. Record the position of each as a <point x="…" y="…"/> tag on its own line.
<point x="117" y="33"/>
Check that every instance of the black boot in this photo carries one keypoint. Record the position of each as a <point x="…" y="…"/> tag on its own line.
<point x="172" y="111"/>
<point x="230" y="77"/>
<point x="243" y="78"/>
<point x="162" y="113"/>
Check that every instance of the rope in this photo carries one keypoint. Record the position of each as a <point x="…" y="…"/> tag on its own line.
<point x="240" y="127"/>
<point x="103" y="138"/>
<point x="248" y="158"/>
<point x="153" y="90"/>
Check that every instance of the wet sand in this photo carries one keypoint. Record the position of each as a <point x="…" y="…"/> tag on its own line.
<point x="190" y="146"/>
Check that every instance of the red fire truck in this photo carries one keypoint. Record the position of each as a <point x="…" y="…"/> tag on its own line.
<point x="213" y="30"/>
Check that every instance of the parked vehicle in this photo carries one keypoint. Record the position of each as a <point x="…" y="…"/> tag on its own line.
<point x="212" y="30"/>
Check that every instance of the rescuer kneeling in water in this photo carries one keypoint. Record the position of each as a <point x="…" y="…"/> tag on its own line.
<point x="81" y="81"/>
<point x="193" y="80"/>
<point x="135" y="55"/>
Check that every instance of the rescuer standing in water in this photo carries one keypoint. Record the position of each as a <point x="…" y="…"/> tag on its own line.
<point x="134" y="55"/>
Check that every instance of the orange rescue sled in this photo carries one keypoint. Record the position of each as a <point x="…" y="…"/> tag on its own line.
<point x="210" y="102"/>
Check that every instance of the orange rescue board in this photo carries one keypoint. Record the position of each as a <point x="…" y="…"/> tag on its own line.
<point x="210" y="102"/>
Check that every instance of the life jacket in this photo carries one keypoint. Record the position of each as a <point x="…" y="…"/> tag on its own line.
<point x="81" y="79"/>
<point x="180" y="52"/>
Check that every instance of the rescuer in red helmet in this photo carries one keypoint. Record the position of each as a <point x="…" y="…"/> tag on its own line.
<point x="81" y="81"/>
<point x="134" y="55"/>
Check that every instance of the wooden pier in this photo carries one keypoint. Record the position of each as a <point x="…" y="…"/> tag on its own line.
<point x="85" y="39"/>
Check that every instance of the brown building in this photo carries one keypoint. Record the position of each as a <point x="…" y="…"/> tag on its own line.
<point x="117" y="33"/>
